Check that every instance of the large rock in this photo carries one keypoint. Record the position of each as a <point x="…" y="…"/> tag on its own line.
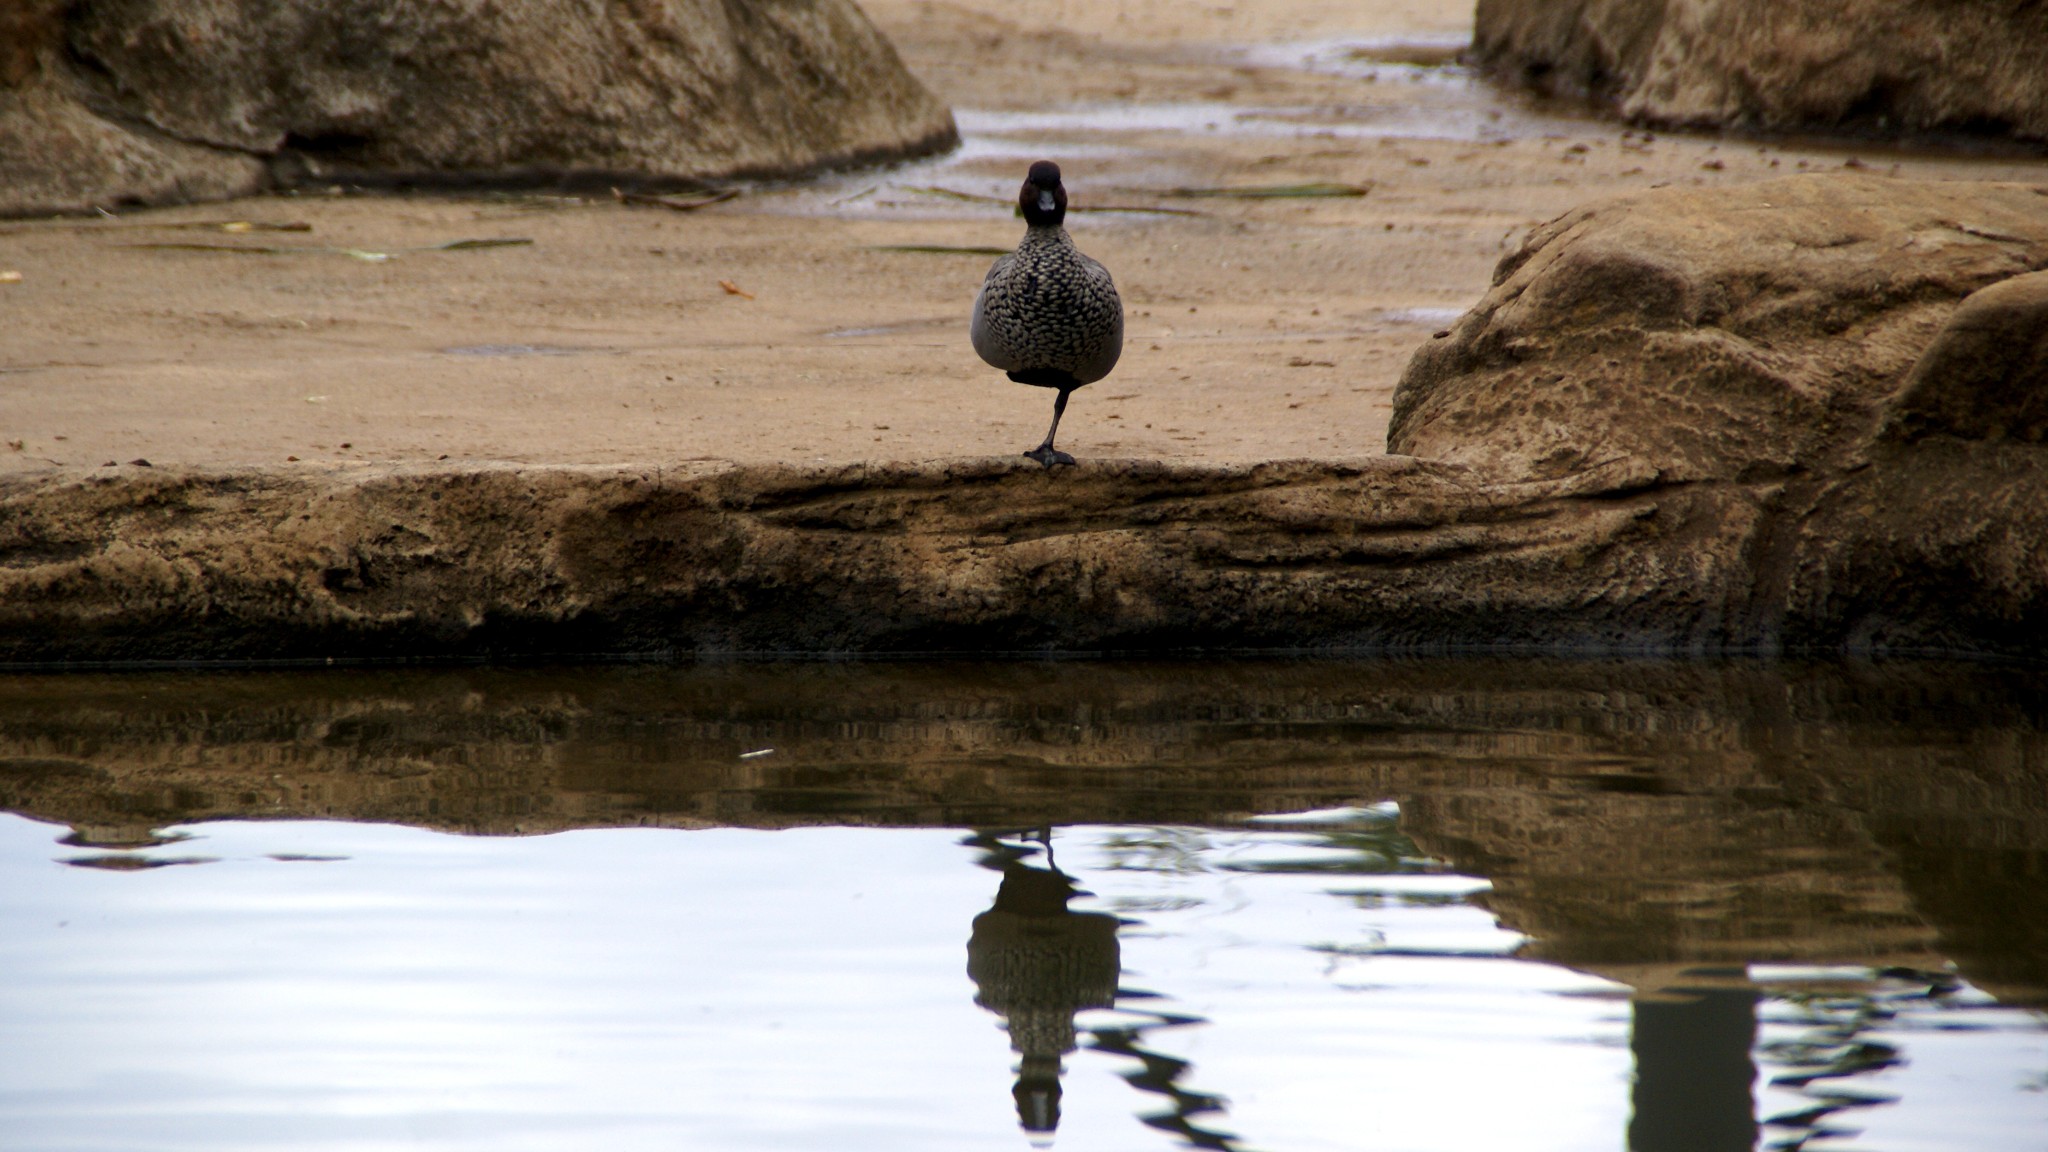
<point x="1985" y="376"/>
<point x="58" y="153"/>
<point x="1838" y="368"/>
<point x="1722" y="334"/>
<point x="112" y="101"/>
<point x="1885" y="65"/>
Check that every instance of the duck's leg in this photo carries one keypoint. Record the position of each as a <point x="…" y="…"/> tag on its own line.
<point x="1045" y="453"/>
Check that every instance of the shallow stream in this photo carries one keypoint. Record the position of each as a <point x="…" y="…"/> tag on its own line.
<point x="1283" y="905"/>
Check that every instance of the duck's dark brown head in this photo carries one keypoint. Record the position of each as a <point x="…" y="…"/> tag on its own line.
<point x="1042" y="198"/>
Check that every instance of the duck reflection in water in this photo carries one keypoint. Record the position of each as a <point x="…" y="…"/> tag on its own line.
<point x="1035" y="963"/>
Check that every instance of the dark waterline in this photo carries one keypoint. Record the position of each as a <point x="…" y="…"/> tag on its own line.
<point x="1807" y="873"/>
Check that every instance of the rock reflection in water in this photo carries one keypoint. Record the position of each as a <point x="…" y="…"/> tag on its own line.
<point x="1636" y="818"/>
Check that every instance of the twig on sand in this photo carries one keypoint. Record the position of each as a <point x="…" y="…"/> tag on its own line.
<point x="1159" y="208"/>
<point x="674" y="203"/>
<point x="940" y="249"/>
<point x="978" y="198"/>
<point x="316" y="249"/>
<point x="1276" y="191"/>
<point x="951" y="194"/>
<point x="235" y="226"/>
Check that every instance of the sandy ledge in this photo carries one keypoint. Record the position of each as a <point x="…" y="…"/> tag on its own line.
<point x="1376" y="553"/>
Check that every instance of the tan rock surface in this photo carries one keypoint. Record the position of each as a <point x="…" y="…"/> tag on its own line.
<point x="130" y="101"/>
<point x="1984" y="376"/>
<point x="58" y="153"/>
<point x="1714" y="335"/>
<point x="965" y="557"/>
<point x="1763" y="347"/>
<point x="1889" y="66"/>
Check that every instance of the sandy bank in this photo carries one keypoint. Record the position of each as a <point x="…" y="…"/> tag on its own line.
<point x="1260" y="329"/>
<point x="362" y="442"/>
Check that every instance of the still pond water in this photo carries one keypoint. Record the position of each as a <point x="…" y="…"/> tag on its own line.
<point x="1287" y="906"/>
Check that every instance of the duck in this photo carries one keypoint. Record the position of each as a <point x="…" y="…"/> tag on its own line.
<point x="1046" y="314"/>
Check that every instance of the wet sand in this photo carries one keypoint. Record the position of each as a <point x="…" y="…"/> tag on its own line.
<point x="1258" y="328"/>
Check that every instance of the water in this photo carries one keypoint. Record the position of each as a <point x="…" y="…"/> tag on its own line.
<point x="1314" y="905"/>
<point x="1412" y="90"/>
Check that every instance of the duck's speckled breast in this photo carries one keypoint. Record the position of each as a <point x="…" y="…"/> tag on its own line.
<point x="1046" y="306"/>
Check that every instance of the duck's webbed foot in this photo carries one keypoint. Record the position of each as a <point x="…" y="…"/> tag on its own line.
<point x="1047" y="455"/>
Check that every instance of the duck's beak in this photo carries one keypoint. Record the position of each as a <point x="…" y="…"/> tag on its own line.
<point x="1045" y="201"/>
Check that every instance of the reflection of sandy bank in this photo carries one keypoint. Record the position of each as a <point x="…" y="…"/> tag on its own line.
<point x="1637" y="820"/>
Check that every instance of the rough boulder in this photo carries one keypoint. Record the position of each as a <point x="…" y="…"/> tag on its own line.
<point x="1751" y="332"/>
<point x="147" y="101"/>
<point x="1891" y="66"/>
<point x="1843" y="375"/>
